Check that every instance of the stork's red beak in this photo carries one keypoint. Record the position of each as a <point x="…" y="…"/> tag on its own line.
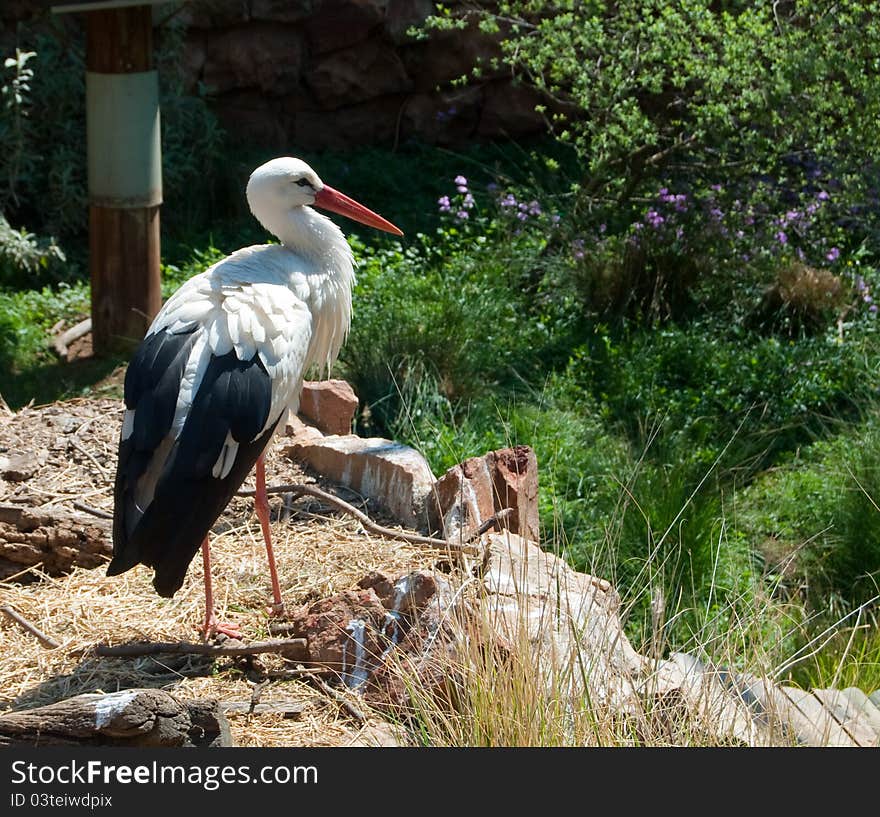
<point x="336" y="202"/>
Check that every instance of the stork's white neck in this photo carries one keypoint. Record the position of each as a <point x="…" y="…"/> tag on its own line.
<point x="319" y="240"/>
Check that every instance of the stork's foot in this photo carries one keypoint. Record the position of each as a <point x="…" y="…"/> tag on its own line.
<point x="276" y="610"/>
<point x="212" y="628"/>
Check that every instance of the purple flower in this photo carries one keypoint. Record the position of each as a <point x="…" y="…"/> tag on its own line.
<point x="534" y="208"/>
<point x="460" y="180"/>
<point x="443" y="201"/>
<point x="468" y="202"/>
<point x="491" y="187"/>
<point x="556" y="218"/>
<point x="867" y="299"/>
<point x="602" y="228"/>
<point x="508" y="201"/>
<point x="462" y="188"/>
<point x="717" y="213"/>
<point x="873" y="309"/>
<point x="860" y="283"/>
<point x="833" y="254"/>
<point x="654" y="218"/>
<point x="462" y="215"/>
<point x="716" y="188"/>
<point x="522" y="216"/>
<point x="822" y="195"/>
<point x="781" y="237"/>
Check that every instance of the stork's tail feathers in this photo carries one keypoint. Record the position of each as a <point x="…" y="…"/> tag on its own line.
<point x="172" y="529"/>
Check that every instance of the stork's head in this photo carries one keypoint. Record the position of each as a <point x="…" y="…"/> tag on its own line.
<point x="282" y="184"/>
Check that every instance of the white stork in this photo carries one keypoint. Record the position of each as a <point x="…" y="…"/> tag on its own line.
<point x="219" y="370"/>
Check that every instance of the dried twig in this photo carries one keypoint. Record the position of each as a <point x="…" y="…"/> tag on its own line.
<point x="187" y="648"/>
<point x="48" y="642"/>
<point x="82" y="450"/>
<point x="369" y="524"/>
<point x="339" y="698"/>
<point x="81" y="506"/>
<point x="292" y="710"/>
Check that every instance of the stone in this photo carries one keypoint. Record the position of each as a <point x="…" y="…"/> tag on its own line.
<point x="446" y="56"/>
<point x="443" y="117"/>
<point x="463" y="499"/>
<point x="570" y="620"/>
<point x="473" y="491"/>
<point x="401" y="15"/>
<point x="342" y="633"/>
<point x="214" y="13"/>
<point x="393" y="475"/>
<point x="262" y="56"/>
<point x="336" y="24"/>
<point x="515" y="480"/>
<point x="22" y="466"/>
<point x="509" y="109"/>
<point x="282" y="11"/>
<point x="356" y="74"/>
<point x="329" y="404"/>
<point x="369" y="122"/>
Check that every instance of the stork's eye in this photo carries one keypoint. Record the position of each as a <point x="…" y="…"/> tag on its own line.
<point x="303" y="182"/>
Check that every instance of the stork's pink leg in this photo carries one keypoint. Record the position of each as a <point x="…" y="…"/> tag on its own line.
<point x="212" y="627"/>
<point x="261" y="503"/>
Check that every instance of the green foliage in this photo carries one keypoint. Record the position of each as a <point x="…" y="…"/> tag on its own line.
<point x="816" y="522"/>
<point x="735" y="86"/>
<point x="22" y="252"/>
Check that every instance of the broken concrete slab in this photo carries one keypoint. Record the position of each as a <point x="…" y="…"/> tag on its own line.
<point x="393" y="475"/>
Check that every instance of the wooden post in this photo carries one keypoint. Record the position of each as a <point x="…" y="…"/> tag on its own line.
<point x="124" y="249"/>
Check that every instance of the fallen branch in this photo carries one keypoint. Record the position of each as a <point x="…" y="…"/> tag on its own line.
<point x="187" y="648"/>
<point x="369" y="524"/>
<point x="291" y="710"/>
<point x="339" y="698"/>
<point x="130" y="717"/>
<point x="60" y="343"/>
<point x="48" y="642"/>
<point x="81" y="506"/>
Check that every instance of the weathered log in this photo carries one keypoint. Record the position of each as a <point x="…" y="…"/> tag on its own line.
<point x="292" y="647"/>
<point x="53" y="538"/>
<point x="132" y="717"/>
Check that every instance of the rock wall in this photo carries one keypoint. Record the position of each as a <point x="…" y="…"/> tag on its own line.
<point x="314" y="74"/>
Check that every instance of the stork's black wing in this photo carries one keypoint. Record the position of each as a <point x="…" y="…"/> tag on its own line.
<point x="234" y="398"/>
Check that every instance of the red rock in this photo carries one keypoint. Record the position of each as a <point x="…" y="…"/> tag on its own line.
<point x="401" y="15"/>
<point x="472" y="492"/>
<point x="515" y="474"/>
<point x="336" y="24"/>
<point x="281" y="11"/>
<point x="446" y="56"/>
<point x="443" y="118"/>
<point x="369" y="122"/>
<point x="464" y="499"/>
<point x="261" y="55"/>
<point x="329" y="404"/>
<point x="214" y="13"/>
<point x="327" y="627"/>
<point x="356" y="74"/>
<point x="509" y="109"/>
